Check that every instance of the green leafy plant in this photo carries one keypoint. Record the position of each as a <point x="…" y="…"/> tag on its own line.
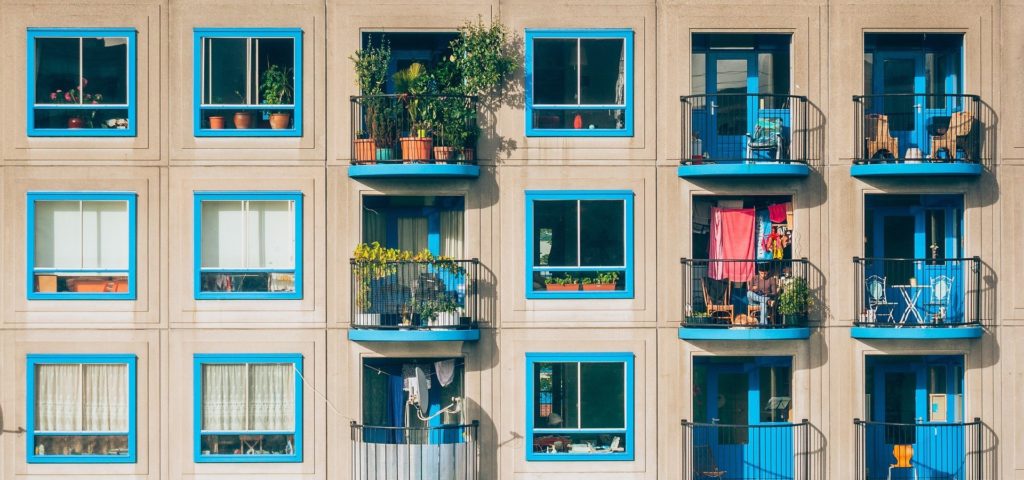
<point x="795" y="298"/>
<point x="411" y="84"/>
<point x="276" y="85"/>
<point x="371" y="63"/>
<point x="607" y="277"/>
<point x="380" y="114"/>
<point x="566" y="279"/>
<point x="371" y="261"/>
<point x="483" y="56"/>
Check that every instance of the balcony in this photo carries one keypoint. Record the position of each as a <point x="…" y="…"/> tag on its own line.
<point x="409" y="301"/>
<point x="919" y="450"/>
<point x="407" y="136"/>
<point x="720" y="303"/>
<point x="917" y="135"/>
<point x="918" y="298"/>
<point x="744" y="135"/>
<point x="774" y="451"/>
<point x="445" y="452"/>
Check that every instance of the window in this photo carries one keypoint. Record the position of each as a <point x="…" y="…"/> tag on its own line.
<point x="579" y="244"/>
<point x="579" y="83"/>
<point x="81" y="82"/>
<point x="248" y="245"/>
<point x="579" y="406"/>
<point x="81" y="408"/>
<point x="248" y="408"/>
<point x="81" y="245"/>
<point x="248" y="82"/>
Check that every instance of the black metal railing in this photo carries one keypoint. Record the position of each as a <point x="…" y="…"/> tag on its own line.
<point x="447" y="452"/>
<point x="917" y="292"/>
<point x="925" y="451"/>
<point x="778" y="451"/>
<point x="735" y="293"/>
<point x="439" y="294"/>
<point x="902" y="128"/>
<point x="414" y="129"/>
<point x="736" y="128"/>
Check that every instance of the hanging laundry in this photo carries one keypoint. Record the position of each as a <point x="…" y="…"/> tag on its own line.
<point x="445" y="371"/>
<point x="732" y="238"/>
<point x="764" y="229"/>
<point x="774" y="244"/>
<point x="777" y="213"/>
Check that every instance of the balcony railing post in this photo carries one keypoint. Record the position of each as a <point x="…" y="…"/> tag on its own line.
<point x="979" y="449"/>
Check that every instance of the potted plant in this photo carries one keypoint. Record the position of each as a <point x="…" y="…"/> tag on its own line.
<point x="412" y="84"/>
<point x="603" y="281"/>
<point x="276" y="88"/>
<point x="794" y="302"/>
<point x="565" y="283"/>
<point x="365" y="148"/>
<point x="379" y="113"/>
<point x="216" y="122"/>
<point x="74" y="96"/>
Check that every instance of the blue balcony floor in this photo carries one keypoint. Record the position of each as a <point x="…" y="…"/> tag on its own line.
<point x="927" y="169"/>
<point x="399" y="335"/>
<point x="917" y="333"/>
<point x="754" y="169"/>
<point x="697" y="333"/>
<point x="414" y="170"/>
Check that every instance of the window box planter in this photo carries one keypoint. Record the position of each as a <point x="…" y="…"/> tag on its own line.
<point x="554" y="287"/>
<point x="598" y="287"/>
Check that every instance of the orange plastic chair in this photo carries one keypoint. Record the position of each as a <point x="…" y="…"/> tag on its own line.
<point x="903" y="454"/>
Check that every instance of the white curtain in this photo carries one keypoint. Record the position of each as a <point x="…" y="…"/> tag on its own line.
<point x="452" y="233"/>
<point x="272" y="397"/>
<point x="81" y="234"/>
<point x="248" y="234"/>
<point x="224" y="395"/>
<point x="248" y="397"/>
<point x="412" y="233"/>
<point x="375" y="228"/>
<point x="90" y="398"/>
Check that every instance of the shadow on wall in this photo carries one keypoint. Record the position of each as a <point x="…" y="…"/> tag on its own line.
<point x="511" y="95"/>
<point x="814" y="136"/>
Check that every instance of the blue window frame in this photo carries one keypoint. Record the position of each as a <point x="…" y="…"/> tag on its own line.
<point x="579" y="406"/>
<point x="579" y="83"/>
<point x="81" y="82"/>
<point x="579" y="244"/>
<point x="69" y="422"/>
<point x="81" y="245"/>
<point x="267" y="388"/>
<point x="230" y="65"/>
<point x="248" y="245"/>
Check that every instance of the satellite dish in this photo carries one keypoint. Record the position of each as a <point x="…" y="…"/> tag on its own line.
<point x="423" y="393"/>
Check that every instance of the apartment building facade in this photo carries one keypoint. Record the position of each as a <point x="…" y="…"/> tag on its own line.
<point x="692" y="240"/>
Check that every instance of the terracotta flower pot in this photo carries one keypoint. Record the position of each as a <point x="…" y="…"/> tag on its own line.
<point x="599" y="287"/>
<point x="554" y="287"/>
<point x="76" y="122"/>
<point x="216" y="122"/>
<point x="444" y="154"/>
<point x="280" y="121"/>
<point x="243" y="120"/>
<point x="365" y="150"/>
<point x="416" y="149"/>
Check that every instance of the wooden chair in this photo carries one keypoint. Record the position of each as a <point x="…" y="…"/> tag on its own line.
<point x="704" y="465"/>
<point x="722" y="310"/>
<point x="877" y="136"/>
<point x="960" y="125"/>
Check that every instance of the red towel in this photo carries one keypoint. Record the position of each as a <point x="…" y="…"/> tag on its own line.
<point x="732" y="238"/>
<point x="777" y="213"/>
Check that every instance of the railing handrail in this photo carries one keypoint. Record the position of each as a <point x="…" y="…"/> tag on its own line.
<point x="472" y="425"/>
<point x="766" y="260"/>
<point x="882" y="95"/>
<point x="353" y="261"/>
<point x="802" y="98"/>
<point x="976" y="421"/>
<point x="896" y="259"/>
<point x="804" y="421"/>
<point x="409" y="95"/>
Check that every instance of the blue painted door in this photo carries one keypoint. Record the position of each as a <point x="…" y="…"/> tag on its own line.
<point x="926" y="236"/>
<point x="734" y="398"/>
<point x="915" y="116"/>
<point x="925" y="396"/>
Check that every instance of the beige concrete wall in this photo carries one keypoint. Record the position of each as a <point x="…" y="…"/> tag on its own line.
<point x="165" y="164"/>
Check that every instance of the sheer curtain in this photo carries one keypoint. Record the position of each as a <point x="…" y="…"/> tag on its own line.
<point x="77" y="398"/>
<point x="412" y="233"/>
<point x="248" y="234"/>
<point x="272" y="397"/>
<point x="452" y="232"/>
<point x="254" y="397"/>
<point x="375" y="229"/>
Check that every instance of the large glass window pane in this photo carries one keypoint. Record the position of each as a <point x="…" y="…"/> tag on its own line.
<point x="602" y="395"/>
<point x="81" y="246"/>
<point x="248" y="409"/>
<point x="555" y="71"/>
<point x="223" y="234"/>
<point x="602" y="235"/>
<point x="555" y="233"/>
<point x="57" y="67"/>
<point x="78" y="401"/>
<point x="602" y="71"/>
<point x="105" y="69"/>
<point x="775" y="394"/>
<point x="270" y="234"/>
<point x="698" y="74"/>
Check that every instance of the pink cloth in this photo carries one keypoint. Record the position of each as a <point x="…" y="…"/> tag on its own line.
<point x="777" y="213"/>
<point x="732" y="238"/>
